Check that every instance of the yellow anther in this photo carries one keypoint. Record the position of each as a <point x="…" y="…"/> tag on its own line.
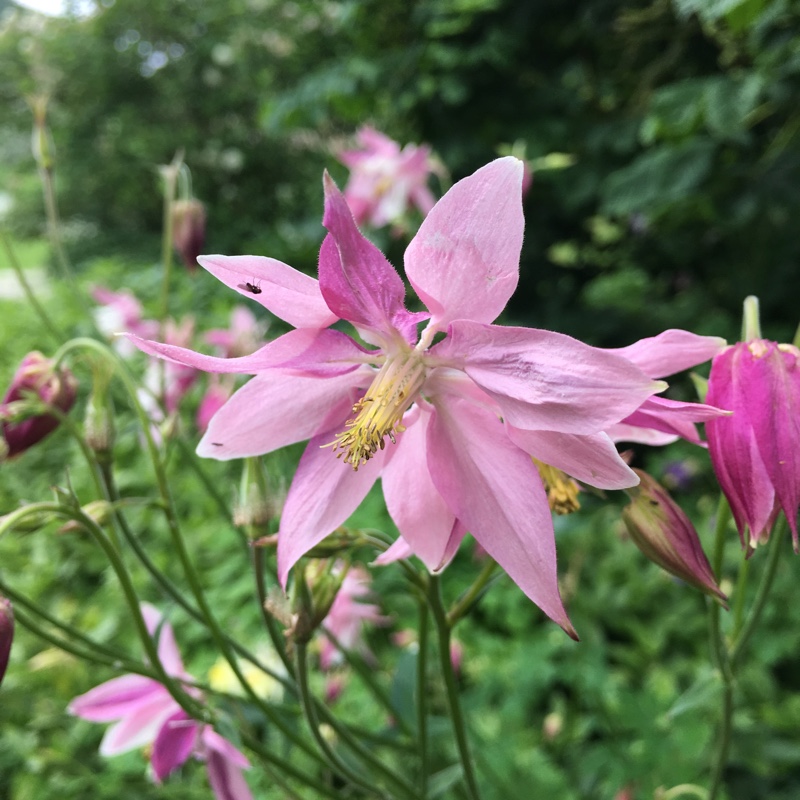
<point x="562" y="491"/>
<point x="379" y="413"/>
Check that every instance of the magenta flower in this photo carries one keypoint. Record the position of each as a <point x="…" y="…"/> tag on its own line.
<point x="347" y="617"/>
<point x="386" y="181"/>
<point x="448" y="426"/>
<point x="188" y="230"/>
<point x="145" y="714"/>
<point x="658" y="420"/>
<point x="756" y="451"/>
<point x="35" y="376"/>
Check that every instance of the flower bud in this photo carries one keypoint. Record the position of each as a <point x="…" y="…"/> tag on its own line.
<point x="256" y="503"/>
<point x="42" y="145"/>
<point x="98" y="423"/>
<point x="6" y="633"/>
<point x="754" y="451"/>
<point x="661" y="530"/>
<point x="23" y="425"/>
<point x="188" y="230"/>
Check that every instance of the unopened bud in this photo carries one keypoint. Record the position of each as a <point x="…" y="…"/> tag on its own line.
<point x="188" y="230"/>
<point x="6" y="633"/>
<point x="255" y="506"/>
<point x="663" y="532"/>
<point x="24" y="425"/>
<point x="98" y="424"/>
<point x="99" y="511"/>
<point x="42" y="146"/>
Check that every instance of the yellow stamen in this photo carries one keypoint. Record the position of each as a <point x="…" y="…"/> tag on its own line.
<point x="562" y="491"/>
<point x="379" y="412"/>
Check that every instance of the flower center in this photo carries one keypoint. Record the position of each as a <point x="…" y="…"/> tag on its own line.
<point x="379" y="412"/>
<point x="562" y="491"/>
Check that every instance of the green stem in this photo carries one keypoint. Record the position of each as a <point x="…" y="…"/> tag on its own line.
<point x="422" y="700"/>
<point x="473" y="594"/>
<point x="718" y="645"/>
<point x="170" y="174"/>
<point x="740" y="595"/>
<point x="48" y="324"/>
<point x="453" y="702"/>
<point x="759" y="603"/>
<point x="309" y="709"/>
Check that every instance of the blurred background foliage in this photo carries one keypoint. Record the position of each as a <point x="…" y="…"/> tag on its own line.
<point x="680" y="121"/>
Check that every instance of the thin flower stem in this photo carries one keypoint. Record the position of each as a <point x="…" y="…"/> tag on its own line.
<point x="170" y="175"/>
<point x="719" y="648"/>
<point x="462" y="606"/>
<point x="48" y="324"/>
<point x="448" y="674"/>
<point x="723" y="740"/>
<point x="762" y="593"/>
<point x="740" y="595"/>
<point x="422" y="699"/>
<point x="90" y="650"/>
<point x="309" y="708"/>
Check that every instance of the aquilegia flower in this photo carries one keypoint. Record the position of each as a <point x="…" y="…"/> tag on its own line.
<point x="756" y="451"/>
<point x="386" y="181"/>
<point x="449" y="418"/>
<point x="146" y="715"/>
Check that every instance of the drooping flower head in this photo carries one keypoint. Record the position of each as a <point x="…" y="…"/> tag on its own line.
<point x="447" y="417"/>
<point x="146" y="715"/>
<point x="755" y="452"/>
<point x="385" y="180"/>
<point x="35" y="376"/>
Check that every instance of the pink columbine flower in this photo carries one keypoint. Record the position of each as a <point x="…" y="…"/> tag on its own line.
<point x="37" y="376"/>
<point x="121" y="311"/>
<point x="386" y="181"/>
<point x="175" y="380"/>
<point x="660" y="421"/>
<point x="756" y="451"/>
<point x="347" y="617"/>
<point x="145" y="714"/>
<point x="447" y="418"/>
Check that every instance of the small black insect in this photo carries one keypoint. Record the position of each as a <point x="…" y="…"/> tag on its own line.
<point x="217" y="444"/>
<point x="253" y="288"/>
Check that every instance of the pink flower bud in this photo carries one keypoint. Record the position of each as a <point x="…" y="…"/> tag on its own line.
<point x="661" y="530"/>
<point x="35" y="375"/>
<point x="755" y="452"/>
<point x="188" y="230"/>
<point x="6" y="633"/>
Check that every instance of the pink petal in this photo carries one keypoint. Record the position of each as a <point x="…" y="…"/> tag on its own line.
<point x="421" y="515"/>
<point x="141" y="726"/>
<point x="633" y="433"/>
<point x="771" y="390"/>
<point x="315" y="352"/>
<point x="734" y="450"/>
<point x="670" y="352"/>
<point x="673" y="417"/>
<point x="173" y="745"/>
<point x="226" y="779"/>
<point x="494" y="489"/>
<point x="397" y="551"/>
<point x="114" y="699"/>
<point x="288" y="293"/>
<point x="464" y="260"/>
<point x="219" y="744"/>
<point x="168" y="653"/>
<point x="275" y="409"/>
<point x="152" y="617"/>
<point x="545" y="380"/>
<point x="324" y="493"/>
<point x="590" y="458"/>
<point x="356" y="280"/>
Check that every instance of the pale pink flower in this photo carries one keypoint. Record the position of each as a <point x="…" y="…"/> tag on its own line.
<point x="450" y="425"/>
<point x="756" y="451"/>
<point x="386" y="181"/>
<point x="145" y="714"/>
<point x="660" y="421"/>
<point x="347" y="616"/>
<point x="215" y="396"/>
<point x="121" y="311"/>
<point x="173" y="380"/>
<point x="240" y="339"/>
